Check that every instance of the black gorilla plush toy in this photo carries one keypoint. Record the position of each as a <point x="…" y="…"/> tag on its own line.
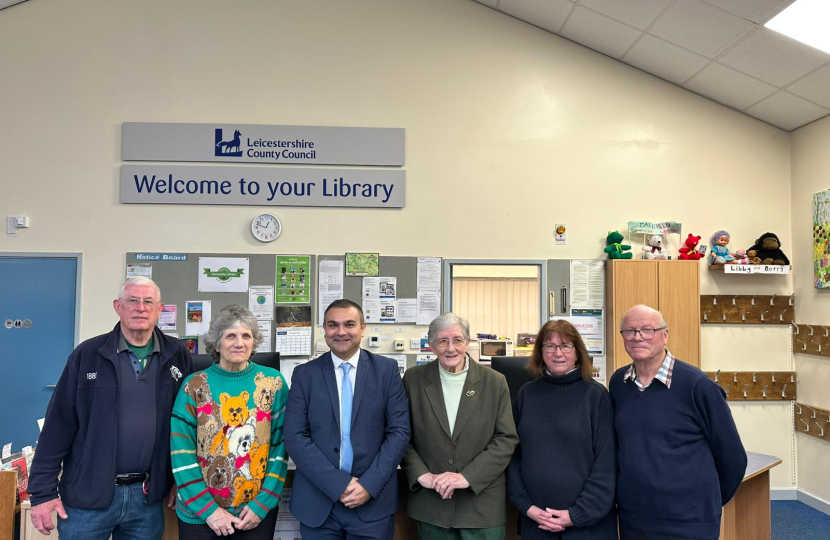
<point x="768" y="249"/>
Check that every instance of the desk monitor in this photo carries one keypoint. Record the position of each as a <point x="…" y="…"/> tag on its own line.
<point x="513" y="369"/>
<point x="270" y="359"/>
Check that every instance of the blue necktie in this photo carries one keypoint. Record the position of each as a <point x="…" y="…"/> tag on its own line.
<point x="346" y="453"/>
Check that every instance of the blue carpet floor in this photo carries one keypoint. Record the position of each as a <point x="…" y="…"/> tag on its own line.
<point x="793" y="520"/>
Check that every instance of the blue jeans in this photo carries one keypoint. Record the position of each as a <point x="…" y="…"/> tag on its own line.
<point x="129" y="517"/>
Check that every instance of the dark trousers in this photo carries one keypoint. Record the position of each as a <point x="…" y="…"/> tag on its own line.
<point x="263" y="531"/>
<point x="344" y="523"/>
<point x="427" y="531"/>
<point x="630" y="533"/>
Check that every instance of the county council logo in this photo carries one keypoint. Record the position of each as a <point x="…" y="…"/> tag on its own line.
<point x="232" y="148"/>
<point x="223" y="274"/>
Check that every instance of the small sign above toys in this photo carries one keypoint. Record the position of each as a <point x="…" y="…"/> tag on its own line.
<point x="655" y="235"/>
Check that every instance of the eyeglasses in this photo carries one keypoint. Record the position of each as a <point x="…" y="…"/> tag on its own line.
<point x="134" y="302"/>
<point x="645" y="333"/>
<point x="551" y="347"/>
<point x="443" y="343"/>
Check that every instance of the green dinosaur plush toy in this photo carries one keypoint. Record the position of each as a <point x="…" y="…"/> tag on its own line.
<point x="615" y="249"/>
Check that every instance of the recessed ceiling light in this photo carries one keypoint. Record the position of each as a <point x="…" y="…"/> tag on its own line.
<point x="806" y="21"/>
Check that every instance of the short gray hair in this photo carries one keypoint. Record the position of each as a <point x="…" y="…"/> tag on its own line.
<point x="445" y="322"/>
<point x="228" y="317"/>
<point x="647" y="309"/>
<point x="138" y="281"/>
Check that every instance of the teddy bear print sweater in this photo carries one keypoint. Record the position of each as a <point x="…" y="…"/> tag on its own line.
<point x="226" y="442"/>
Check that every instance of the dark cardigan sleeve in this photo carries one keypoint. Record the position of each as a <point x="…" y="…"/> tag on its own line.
<point x="597" y="497"/>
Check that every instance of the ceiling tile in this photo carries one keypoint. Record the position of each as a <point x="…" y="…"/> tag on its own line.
<point x="547" y="14"/>
<point x="670" y="62"/>
<point x="773" y="57"/>
<point x="757" y="11"/>
<point x="729" y="87"/>
<point x="700" y="27"/>
<point x="491" y="3"/>
<point x="815" y="87"/>
<point x="599" y="32"/>
<point x="637" y="13"/>
<point x="787" y="111"/>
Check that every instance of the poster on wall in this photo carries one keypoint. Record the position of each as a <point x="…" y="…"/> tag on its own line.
<point x="293" y="279"/>
<point x="223" y="274"/>
<point x="821" y="239"/>
<point x="362" y="264"/>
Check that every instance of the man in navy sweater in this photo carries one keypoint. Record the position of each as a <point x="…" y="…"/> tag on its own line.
<point x="679" y="456"/>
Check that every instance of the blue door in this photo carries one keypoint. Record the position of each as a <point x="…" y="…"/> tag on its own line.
<point x="37" y="313"/>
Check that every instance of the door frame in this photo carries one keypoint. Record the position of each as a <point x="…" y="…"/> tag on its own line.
<point x="79" y="258"/>
<point x="446" y="304"/>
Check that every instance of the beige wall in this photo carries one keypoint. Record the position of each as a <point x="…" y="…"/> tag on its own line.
<point x="810" y="166"/>
<point x="509" y="130"/>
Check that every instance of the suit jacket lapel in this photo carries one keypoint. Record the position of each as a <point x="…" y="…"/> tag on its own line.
<point x="469" y="398"/>
<point x="327" y="367"/>
<point x="361" y="376"/>
<point x="435" y="396"/>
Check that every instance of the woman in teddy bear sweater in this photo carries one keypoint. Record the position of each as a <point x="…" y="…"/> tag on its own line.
<point x="226" y="437"/>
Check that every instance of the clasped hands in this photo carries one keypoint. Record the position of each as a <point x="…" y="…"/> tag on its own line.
<point x="444" y="484"/>
<point x="355" y="494"/>
<point x="550" y="519"/>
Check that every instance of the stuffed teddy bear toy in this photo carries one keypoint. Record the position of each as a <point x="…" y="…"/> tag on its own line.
<point x="654" y="249"/>
<point x="614" y="246"/>
<point x="690" y="252"/>
<point x="740" y="256"/>
<point x="768" y="248"/>
<point x="752" y="257"/>
<point x="720" y="253"/>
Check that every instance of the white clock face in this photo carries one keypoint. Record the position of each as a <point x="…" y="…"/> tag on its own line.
<point x="266" y="227"/>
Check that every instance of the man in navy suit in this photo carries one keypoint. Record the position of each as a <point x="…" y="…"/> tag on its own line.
<point x="346" y="428"/>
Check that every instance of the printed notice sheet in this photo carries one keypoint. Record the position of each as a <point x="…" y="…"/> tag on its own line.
<point x="197" y="318"/>
<point x="261" y="301"/>
<point x="329" y="286"/>
<point x="267" y="339"/>
<point x="287" y="366"/>
<point x="379" y="299"/>
<point x="223" y="274"/>
<point x="407" y="309"/>
<point x="140" y="270"/>
<point x="429" y="273"/>
<point x="429" y="306"/>
<point x="588" y="283"/>
<point x="167" y="317"/>
<point x="294" y="330"/>
<point x="288" y="526"/>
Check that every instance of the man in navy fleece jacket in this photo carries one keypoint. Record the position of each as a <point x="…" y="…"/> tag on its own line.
<point x="679" y="456"/>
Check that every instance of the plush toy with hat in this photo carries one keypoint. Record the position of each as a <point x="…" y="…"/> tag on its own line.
<point x="768" y="249"/>
<point x="614" y="246"/>
<point x="689" y="252"/>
